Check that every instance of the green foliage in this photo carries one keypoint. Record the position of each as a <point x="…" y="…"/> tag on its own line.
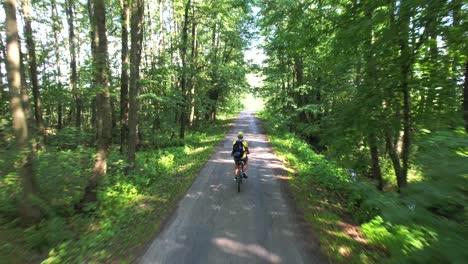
<point x="6" y="134"/>
<point x="400" y="240"/>
<point x="62" y="177"/>
<point x="341" y="88"/>
<point x="129" y="210"/>
<point x="70" y="138"/>
<point x="130" y="207"/>
<point x="425" y="223"/>
<point x="10" y="188"/>
<point x="47" y="233"/>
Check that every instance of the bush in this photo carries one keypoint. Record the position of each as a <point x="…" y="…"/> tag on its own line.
<point x="62" y="177"/>
<point x="424" y="223"/>
<point x="70" y="138"/>
<point x="47" y="233"/>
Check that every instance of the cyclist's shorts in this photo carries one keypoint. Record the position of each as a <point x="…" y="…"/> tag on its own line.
<point x="237" y="161"/>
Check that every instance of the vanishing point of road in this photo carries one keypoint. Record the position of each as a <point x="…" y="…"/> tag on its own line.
<point x="215" y="224"/>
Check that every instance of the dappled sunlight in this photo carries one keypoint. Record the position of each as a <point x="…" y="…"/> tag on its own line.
<point x="223" y="161"/>
<point x="212" y="207"/>
<point x="337" y="233"/>
<point x="281" y="177"/>
<point x="195" y="195"/>
<point x="249" y="207"/>
<point x="196" y="151"/>
<point x="217" y="187"/>
<point x="216" y="207"/>
<point x="230" y="234"/>
<point x="232" y="212"/>
<point x="345" y="251"/>
<point x="147" y="202"/>
<point x="245" y="250"/>
<point x="462" y="153"/>
<point x="185" y="167"/>
<point x="352" y="231"/>
<point x="121" y="194"/>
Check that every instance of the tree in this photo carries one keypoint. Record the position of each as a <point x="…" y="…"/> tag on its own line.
<point x="73" y="66"/>
<point x="56" y="29"/>
<point x="125" y="21"/>
<point x="101" y="86"/>
<point x="191" y="80"/>
<point x="465" y="96"/>
<point x="3" y="93"/>
<point x="135" y="58"/>
<point x="28" y="210"/>
<point x="33" y="66"/>
<point x="393" y="70"/>
<point x="184" y="70"/>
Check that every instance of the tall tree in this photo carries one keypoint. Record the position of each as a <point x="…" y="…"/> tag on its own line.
<point x="408" y="50"/>
<point x="56" y="29"/>
<point x="465" y="96"/>
<point x="101" y="86"/>
<point x="184" y="70"/>
<point x="125" y="21"/>
<point x="137" y="21"/>
<point x="29" y="211"/>
<point x="191" y="86"/>
<point x="73" y="64"/>
<point x="374" y="96"/>
<point x="3" y="92"/>
<point x="33" y="66"/>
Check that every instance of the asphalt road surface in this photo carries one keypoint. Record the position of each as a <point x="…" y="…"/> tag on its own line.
<point x="215" y="224"/>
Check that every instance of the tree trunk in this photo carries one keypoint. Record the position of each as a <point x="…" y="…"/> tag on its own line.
<point x="73" y="66"/>
<point x="4" y="97"/>
<point x="457" y="18"/>
<point x="372" y="92"/>
<point x="125" y="21"/>
<point x="28" y="211"/>
<point x="59" y="116"/>
<point x="33" y="66"/>
<point x="103" y="113"/>
<point x="56" y="29"/>
<point x="393" y="155"/>
<point x="193" y="59"/>
<point x="183" y="84"/>
<point x="376" y="171"/>
<point x="465" y="96"/>
<point x="299" y="80"/>
<point x="161" y="30"/>
<point x="25" y="93"/>
<point x="135" y="59"/>
<point x="404" y="85"/>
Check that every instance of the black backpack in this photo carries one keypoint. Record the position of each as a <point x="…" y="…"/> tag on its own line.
<point x="238" y="149"/>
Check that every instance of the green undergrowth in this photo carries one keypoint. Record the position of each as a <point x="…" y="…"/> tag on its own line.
<point x="129" y="211"/>
<point x="356" y="223"/>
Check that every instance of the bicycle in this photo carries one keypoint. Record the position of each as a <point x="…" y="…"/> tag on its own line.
<point x="240" y="174"/>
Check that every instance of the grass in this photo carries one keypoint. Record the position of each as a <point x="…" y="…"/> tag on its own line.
<point x="325" y="211"/>
<point x="130" y="208"/>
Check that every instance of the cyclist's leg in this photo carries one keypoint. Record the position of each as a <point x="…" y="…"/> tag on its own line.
<point x="236" y="168"/>
<point x="244" y="167"/>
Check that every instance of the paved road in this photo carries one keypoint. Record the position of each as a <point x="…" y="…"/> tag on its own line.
<point x="216" y="224"/>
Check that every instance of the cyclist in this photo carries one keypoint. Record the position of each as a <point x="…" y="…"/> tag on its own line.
<point x="240" y="155"/>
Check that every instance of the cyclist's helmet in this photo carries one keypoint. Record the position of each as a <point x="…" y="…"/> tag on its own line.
<point x="240" y="135"/>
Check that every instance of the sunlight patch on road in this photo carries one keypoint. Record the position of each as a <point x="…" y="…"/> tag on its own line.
<point x="283" y="177"/>
<point x="233" y="247"/>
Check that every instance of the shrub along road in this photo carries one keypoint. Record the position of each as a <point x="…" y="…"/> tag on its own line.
<point x="216" y="224"/>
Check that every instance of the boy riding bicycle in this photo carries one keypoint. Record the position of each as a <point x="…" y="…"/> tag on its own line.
<point x="240" y="149"/>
